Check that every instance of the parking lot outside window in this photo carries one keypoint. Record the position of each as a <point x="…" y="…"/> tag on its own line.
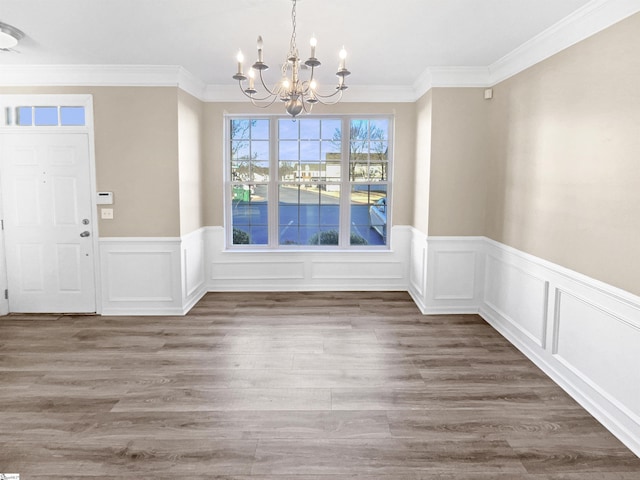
<point x="317" y="182"/>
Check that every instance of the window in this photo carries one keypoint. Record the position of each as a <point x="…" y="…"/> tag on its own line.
<point x="49" y="116"/>
<point x="316" y="182"/>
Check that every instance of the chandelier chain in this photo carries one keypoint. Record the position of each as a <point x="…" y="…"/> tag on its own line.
<point x="292" y="44"/>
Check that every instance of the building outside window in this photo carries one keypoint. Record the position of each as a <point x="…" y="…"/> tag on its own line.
<point x="316" y="182"/>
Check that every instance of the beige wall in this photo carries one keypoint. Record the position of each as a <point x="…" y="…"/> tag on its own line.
<point x="549" y="166"/>
<point x="137" y="158"/>
<point x="459" y="160"/>
<point x="422" y="168"/>
<point x="136" y="145"/>
<point x="565" y="150"/>
<point x="190" y="130"/>
<point x="404" y="143"/>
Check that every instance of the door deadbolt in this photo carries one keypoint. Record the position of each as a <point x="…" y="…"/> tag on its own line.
<point x="85" y="221"/>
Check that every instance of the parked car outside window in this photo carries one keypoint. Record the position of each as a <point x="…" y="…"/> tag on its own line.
<point x="378" y="216"/>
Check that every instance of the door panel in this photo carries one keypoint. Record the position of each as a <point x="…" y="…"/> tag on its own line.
<point x="46" y="195"/>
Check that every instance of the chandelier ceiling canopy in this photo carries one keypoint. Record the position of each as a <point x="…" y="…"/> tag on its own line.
<point x="9" y="36"/>
<point x="298" y="95"/>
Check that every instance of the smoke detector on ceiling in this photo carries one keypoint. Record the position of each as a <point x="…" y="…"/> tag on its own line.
<point x="9" y="36"/>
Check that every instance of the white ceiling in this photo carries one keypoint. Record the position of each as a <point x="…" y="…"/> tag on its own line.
<point x="390" y="43"/>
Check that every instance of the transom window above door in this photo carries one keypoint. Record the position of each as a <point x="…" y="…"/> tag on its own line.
<point x="46" y="116"/>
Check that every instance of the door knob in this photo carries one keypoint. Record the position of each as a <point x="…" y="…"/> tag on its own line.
<point x="85" y="233"/>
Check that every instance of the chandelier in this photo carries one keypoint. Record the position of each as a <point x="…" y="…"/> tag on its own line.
<point x="298" y="95"/>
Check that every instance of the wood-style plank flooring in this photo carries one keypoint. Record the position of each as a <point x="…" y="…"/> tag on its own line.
<point x="305" y="386"/>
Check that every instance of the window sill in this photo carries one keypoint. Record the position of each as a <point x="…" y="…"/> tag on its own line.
<point x="323" y="251"/>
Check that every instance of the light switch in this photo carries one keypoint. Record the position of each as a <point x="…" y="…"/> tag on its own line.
<point x="106" y="213"/>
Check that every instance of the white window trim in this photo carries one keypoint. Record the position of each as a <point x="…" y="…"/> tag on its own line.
<point x="275" y="182"/>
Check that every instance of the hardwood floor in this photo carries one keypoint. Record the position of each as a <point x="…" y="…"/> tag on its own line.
<point x="305" y="386"/>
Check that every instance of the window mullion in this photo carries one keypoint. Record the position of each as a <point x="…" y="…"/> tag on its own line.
<point x="227" y="188"/>
<point x="274" y="183"/>
<point x="345" y="187"/>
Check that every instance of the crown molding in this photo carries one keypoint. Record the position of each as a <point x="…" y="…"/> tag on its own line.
<point x="379" y="94"/>
<point x="450" y="77"/>
<point x="191" y="84"/>
<point x="223" y="93"/>
<point x="167" y="76"/>
<point x="355" y="93"/>
<point x="90" y="75"/>
<point x="592" y="18"/>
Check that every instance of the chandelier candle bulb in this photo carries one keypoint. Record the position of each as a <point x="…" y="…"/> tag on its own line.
<point x="252" y="77"/>
<point x="313" y="43"/>
<point x="260" y="45"/>
<point x="240" y="58"/>
<point x="343" y="57"/>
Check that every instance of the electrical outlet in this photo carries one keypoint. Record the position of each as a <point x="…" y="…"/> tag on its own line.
<point x="106" y="213"/>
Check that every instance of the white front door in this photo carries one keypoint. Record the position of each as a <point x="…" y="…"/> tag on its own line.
<point x="46" y="198"/>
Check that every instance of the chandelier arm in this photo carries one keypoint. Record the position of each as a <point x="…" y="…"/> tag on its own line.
<point x="264" y="105"/>
<point x="264" y="85"/>
<point x="270" y="98"/>
<point x="254" y="99"/>
<point x="305" y="87"/>
<point x="304" y="106"/>
<point x="324" y="102"/>
<point x="337" y="92"/>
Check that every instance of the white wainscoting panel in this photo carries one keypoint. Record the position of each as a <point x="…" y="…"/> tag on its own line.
<point x="583" y="333"/>
<point x="454" y="275"/>
<point x="231" y="271"/>
<point x="610" y="363"/>
<point x="517" y="295"/>
<point x="193" y="265"/>
<point x="141" y="276"/>
<point x="363" y="270"/>
<point x="446" y="273"/>
<point x="418" y="265"/>
<point x="4" y="303"/>
<point x="298" y="270"/>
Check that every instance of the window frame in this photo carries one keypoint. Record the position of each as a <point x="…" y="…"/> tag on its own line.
<point x="274" y="183"/>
